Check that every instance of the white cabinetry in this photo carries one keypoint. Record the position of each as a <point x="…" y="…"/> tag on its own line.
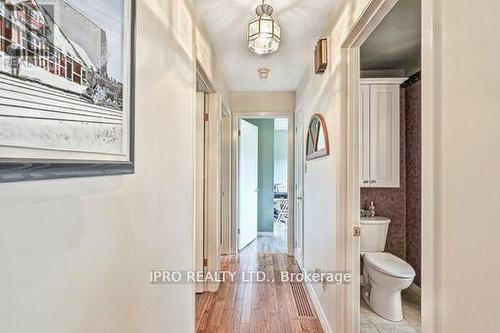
<point x="379" y="132"/>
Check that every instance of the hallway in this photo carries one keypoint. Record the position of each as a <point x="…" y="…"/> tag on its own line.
<point x="257" y="307"/>
<point x="129" y="201"/>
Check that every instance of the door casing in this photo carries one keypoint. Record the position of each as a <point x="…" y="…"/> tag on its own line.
<point x="349" y="252"/>
<point x="299" y="188"/>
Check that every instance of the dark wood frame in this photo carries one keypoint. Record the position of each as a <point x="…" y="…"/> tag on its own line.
<point x="15" y="170"/>
<point x="317" y="153"/>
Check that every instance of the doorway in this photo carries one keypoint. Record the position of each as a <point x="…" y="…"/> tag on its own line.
<point x="263" y="152"/>
<point x="381" y="71"/>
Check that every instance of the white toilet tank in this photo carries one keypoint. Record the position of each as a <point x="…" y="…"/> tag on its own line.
<point x="374" y="233"/>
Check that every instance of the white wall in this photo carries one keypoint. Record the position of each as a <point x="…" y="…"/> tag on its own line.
<point x="461" y="182"/>
<point x="462" y="101"/>
<point x="262" y="102"/>
<point x="75" y="255"/>
<point x="322" y="182"/>
<point x="281" y="158"/>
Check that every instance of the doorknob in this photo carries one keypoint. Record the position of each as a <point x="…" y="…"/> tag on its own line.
<point x="299" y="198"/>
<point x="374" y="181"/>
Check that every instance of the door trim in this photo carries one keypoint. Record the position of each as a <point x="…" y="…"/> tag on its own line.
<point x="375" y="12"/>
<point x="431" y="205"/>
<point x="291" y="173"/>
<point x="301" y="160"/>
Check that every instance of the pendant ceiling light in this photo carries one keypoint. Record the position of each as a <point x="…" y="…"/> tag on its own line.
<point x="264" y="34"/>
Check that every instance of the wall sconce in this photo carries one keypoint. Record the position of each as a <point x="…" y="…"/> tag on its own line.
<point x="321" y="56"/>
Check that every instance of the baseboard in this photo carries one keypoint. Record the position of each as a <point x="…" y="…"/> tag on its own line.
<point x="317" y="307"/>
<point x="265" y="234"/>
<point x="415" y="289"/>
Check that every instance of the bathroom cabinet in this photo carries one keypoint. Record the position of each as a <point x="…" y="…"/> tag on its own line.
<point x="379" y="132"/>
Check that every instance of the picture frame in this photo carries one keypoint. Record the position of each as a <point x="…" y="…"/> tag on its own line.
<point x="67" y="98"/>
<point x="317" y="144"/>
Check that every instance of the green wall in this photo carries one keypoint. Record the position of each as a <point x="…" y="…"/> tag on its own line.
<point x="281" y="158"/>
<point x="266" y="173"/>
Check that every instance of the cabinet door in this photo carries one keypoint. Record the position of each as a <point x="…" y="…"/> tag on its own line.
<point x="364" y="136"/>
<point x="384" y="135"/>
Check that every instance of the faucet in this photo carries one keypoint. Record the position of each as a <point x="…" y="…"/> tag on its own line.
<point x="371" y="209"/>
<point x="370" y="212"/>
<point x="365" y="213"/>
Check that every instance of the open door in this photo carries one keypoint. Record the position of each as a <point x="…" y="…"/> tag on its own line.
<point x="226" y="227"/>
<point x="248" y="190"/>
<point x="200" y="187"/>
<point x="213" y="192"/>
<point x="208" y="195"/>
<point x="299" y="189"/>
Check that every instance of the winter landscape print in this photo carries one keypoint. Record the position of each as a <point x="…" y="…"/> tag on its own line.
<point x="62" y="80"/>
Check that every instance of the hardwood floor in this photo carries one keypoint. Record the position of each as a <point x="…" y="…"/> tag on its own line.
<point x="275" y="243"/>
<point x="272" y="306"/>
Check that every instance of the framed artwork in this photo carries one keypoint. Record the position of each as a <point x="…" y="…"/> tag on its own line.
<point x="317" y="138"/>
<point x="66" y="88"/>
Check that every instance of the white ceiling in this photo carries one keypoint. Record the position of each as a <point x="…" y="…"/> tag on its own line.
<point x="396" y="43"/>
<point x="302" y="24"/>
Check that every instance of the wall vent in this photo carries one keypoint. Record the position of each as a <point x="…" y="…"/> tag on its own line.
<point x="301" y="300"/>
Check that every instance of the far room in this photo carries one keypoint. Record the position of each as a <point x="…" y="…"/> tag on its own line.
<point x="263" y="184"/>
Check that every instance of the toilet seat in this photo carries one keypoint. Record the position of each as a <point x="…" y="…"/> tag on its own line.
<point x="389" y="264"/>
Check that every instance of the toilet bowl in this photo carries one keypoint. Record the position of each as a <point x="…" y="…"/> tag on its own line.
<point x="384" y="277"/>
<point x="384" y="274"/>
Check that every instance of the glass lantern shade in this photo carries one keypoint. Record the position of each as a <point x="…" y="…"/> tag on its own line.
<point x="264" y="34"/>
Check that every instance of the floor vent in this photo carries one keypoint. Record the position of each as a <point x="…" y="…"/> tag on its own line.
<point x="301" y="300"/>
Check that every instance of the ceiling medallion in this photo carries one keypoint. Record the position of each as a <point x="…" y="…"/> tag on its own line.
<point x="264" y="33"/>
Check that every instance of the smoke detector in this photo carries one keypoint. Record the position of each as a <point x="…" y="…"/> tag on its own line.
<point x="264" y="73"/>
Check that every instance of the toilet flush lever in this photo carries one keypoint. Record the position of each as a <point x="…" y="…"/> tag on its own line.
<point x="356" y="232"/>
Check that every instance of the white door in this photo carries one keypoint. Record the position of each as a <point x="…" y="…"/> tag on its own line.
<point x="200" y="187"/>
<point x="226" y="185"/>
<point x="299" y="189"/>
<point x="248" y="190"/>
<point x="213" y="196"/>
<point x="384" y="135"/>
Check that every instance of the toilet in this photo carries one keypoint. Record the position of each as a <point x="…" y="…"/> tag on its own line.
<point x="384" y="274"/>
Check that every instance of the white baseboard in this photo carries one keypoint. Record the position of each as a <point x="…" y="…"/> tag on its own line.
<point x="415" y="289"/>
<point x="317" y="307"/>
<point x="265" y="234"/>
